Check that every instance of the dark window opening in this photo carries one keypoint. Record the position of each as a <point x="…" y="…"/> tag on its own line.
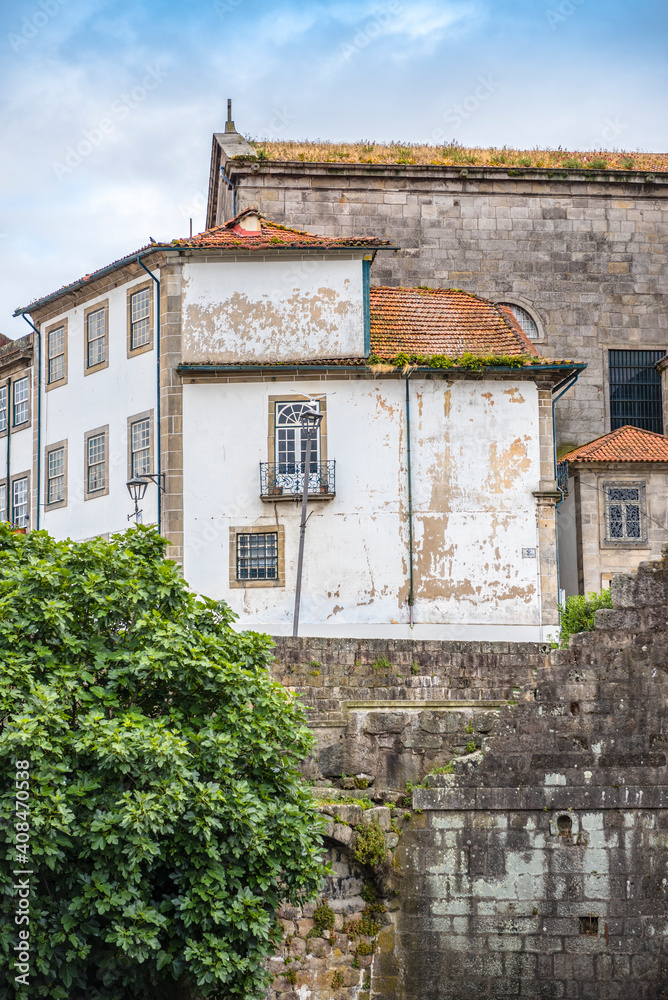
<point x="589" y="926"/>
<point x="257" y="556"/>
<point x="564" y="826"/>
<point x="635" y="390"/>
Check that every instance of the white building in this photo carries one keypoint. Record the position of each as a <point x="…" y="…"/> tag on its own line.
<point x="256" y="322"/>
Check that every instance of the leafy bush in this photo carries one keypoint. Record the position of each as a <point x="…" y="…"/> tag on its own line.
<point x="577" y="615"/>
<point x="167" y="815"/>
<point x="370" y="845"/>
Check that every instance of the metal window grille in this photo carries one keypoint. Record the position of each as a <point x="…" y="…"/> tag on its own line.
<point x="56" y="476"/>
<point x="257" y="556"/>
<point x="20" y="503"/>
<point x="3" y="501"/>
<point x="524" y="318"/>
<point x="96" y="462"/>
<point x="3" y="408"/>
<point x="140" y="447"/>
<point x="20" y="401"/>
<point x="635" y="390"/>
<point x="56" y="353"/>
<point x="625" y="512"/>
<point x="140" y="318"/>
<point x="96" y="338"/>
<point x="290" y="443"/>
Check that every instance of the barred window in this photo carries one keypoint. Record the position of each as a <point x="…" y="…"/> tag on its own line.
<point x="625" y="512"/>
<point x="96" y="339"/>
<point x="140" y="447"/>
<point x="3" y="408"/>
<point x="20" y="401"/>
<point x="20" y="503"/>
<point x="55" y="476"/>
<point x="635" y="390"/>
<point x="95" y="461"/>
<point x="140" y="318"/>
<point x="257" y="556"/>
<point x="56" y="355"/>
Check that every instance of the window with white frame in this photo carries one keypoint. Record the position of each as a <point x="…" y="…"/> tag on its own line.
<point x="20" y="503"/>
<point x="3" y="501"/>
<point x="257" y="556"/>
<point x="55" y="473"/>
<point x="21" y="412"/>
<point x="96" y="447"/>
<point x="140" y="447"/>
<point x="56" y="355"/>
<point x="625" y="513"/>
<point x="140" y="318"/>
<point x="3" y="408"/>
<point x="290" y="443"/>
<point x="96" y="338"/>
<point x="524" y="318"/>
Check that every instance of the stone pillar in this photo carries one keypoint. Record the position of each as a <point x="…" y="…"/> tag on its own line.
<point x="171" y="408"/>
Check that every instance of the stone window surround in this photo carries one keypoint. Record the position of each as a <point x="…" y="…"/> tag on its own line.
<point x="104" y="304"/>
<point x="132" y="290"/>
<point x="295" y="397"/>
<point x="518" y="300"/>
<point x="48" y="386"/>
<point x="25" y="423"/>
<point x="146" y="414"/>
<point x="47" y="450"/>
<point x="610" y="478"/>
<point x="12" y="480"/>
<point x="88" y="495"/>
<point x="261" y="529"/>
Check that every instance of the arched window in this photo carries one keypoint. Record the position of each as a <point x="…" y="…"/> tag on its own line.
<point x="289" y="443"/>
<point x="524" y="318"/>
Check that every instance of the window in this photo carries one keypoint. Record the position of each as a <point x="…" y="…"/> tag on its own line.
<point x="140" y="447"/>
<point x="3" y="501"/>
<point x="20" y="502"/>
<point x="257" y="556"/>
<point x="140" y="318"/>
<point x="625" y="517"/>
<point x="635" y="390"/>
<point x="55" y="475"/>
<point x="3" y="408"/>
<point x="21" y="412"/>
<point x="56" y="355"/>
<point x="96" y="337"/>
<point x="290" y="445"/>
<point x="96" y="463"/>
<point x="524" y="318"/>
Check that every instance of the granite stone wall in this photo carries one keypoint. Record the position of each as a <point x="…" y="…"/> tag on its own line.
<point x="585" y="253"/>
<point x="531" y="860"/>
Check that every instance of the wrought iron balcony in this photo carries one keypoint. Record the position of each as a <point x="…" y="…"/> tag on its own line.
<point x="285" y="480"/>
<point x="562" y="477"/>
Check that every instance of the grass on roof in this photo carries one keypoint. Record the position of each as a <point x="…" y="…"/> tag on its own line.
<point x="453" y="154"/>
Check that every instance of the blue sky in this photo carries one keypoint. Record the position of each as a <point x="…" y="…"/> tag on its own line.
<point x="144" y="85"/>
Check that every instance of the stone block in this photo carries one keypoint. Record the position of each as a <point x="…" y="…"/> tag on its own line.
<point x="379" y="814"/>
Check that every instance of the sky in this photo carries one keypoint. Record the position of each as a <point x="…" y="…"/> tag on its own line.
<point x="108" y="106"/>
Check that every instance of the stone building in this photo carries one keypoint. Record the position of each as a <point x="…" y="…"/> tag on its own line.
<point x="616" y="512"/>
<point x="580" y="255"/>
<point x="432" y="480"/>
<point x="17" y="429"/>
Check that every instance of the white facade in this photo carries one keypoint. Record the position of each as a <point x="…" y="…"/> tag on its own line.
<point x="475" y="464"/>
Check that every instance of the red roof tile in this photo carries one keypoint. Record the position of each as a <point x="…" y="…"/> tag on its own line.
<point x="626" y="444"/>
<point x="445" y="321"/>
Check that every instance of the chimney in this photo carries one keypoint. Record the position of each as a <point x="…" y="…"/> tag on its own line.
<point x="229" y="124"/>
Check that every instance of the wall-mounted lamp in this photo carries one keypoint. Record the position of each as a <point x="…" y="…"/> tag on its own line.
<point x="310" y="421"/>
<point x="137" y="488"/>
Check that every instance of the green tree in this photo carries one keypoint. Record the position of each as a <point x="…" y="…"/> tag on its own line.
<point x="577" y="615"/>
<point x="167" y="816"/>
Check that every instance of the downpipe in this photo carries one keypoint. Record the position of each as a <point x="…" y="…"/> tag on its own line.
<point x="411" y="590"/>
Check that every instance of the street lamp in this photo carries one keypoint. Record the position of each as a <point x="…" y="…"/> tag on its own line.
<point x="136" y="488"/>
<point x="310" y="421"/>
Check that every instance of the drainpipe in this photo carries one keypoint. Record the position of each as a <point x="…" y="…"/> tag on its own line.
<point x="9" y="448"/>
<point x="411" y="592"/>
<point x="158" y="456"/>
<point x="572" y="379"/>
<point x="39" y="419"/>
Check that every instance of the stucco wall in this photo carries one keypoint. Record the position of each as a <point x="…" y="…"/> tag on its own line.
<point x="475" y="464"/>
<point x="587" y="255"/>
<point x="269" y="310"/>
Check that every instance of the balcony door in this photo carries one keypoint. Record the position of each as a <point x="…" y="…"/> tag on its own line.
<point x="290" y="447"/>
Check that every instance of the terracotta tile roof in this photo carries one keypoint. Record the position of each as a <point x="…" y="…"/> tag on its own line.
<point x="445" y="321"/>
<point x="230" y="236"/>
<point x="626" y="444"/>
<point x="234" y="236"/>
